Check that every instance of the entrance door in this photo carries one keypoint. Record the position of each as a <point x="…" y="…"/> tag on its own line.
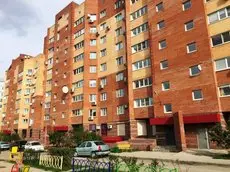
<point x="104" y="129"/>
<point x="170" y="137"/>
<point x="203" y="139"/>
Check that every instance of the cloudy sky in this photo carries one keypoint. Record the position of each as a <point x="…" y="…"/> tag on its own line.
<point x="23" y="25"/>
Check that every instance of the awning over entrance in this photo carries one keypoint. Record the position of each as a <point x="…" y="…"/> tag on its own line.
<point x="193" y="119"/>
<point x="7" y="132"/>
<point x="61" y="128"/>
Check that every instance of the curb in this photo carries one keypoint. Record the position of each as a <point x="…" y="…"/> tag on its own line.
<point x="179" y="161"/>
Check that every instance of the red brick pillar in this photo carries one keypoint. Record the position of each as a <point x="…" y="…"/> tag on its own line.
<point x="179" y="131"/>
<point x="133" y="129"/>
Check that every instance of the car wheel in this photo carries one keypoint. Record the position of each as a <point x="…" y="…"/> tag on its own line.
<point x="75" y="154"/>
<point x="93" y="154"/>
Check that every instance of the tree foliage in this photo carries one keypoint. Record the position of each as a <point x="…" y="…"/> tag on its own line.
<point x="8" y="138"/>
<point x="221" y="135"/>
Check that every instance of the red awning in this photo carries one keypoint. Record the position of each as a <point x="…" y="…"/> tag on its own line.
<point x="7" y="132"/>
<point x="193" y="119"/>
<point x="61" y="128"/>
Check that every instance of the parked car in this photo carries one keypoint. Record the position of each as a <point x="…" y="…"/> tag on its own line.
<point x="4" y="145"/>
<point x="20" y="144"/>
<point x="92" y="148"/>
<point x="34" y="145"/>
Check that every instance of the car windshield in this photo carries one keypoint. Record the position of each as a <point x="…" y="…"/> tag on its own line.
<point x="35" y="143"/>
<point x="99" y="143"/>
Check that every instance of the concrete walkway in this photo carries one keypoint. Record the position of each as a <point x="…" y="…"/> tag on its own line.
<point x="189" y="157"/>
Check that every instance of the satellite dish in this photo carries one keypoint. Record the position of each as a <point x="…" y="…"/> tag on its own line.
<point x="65" y="89"/>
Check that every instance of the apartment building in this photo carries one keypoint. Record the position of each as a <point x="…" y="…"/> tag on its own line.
<point x="23" y="84"/>
<point x="1" y="99"/>
<point x="155" y="73"/>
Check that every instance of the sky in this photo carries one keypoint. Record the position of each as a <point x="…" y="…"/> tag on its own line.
<point x="23" y="26"/>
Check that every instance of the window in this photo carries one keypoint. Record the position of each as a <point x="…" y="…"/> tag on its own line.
<point x="164" y="64"/>
<point x="159" y="7"/>
<point x="51" y="50"/>
<point x="79" y="57"/>
<point x="120" y="109"/>
<point x="161" y="25"/>
<point x="224" y="90"/>
<point x="47" y="105"/>
<point x="78" y="70"/>
<point x="144" y="102"/>
<point x="77" y="112"/>
<point x="26" y="111"/>
<point x="103" y="111"/>
<point x="93" y="29"/>
<point x="162" y="44"/>
<point x="79" y="21"/>
<point x="120" y="76"/>
<point x="58" y="36"/>
<point x="65" y="62"/>
<point x="93" y="55"/>
<point x="134" y="1"/>
<point x="66" y="50"/>
<point x="221" y="38"/>
<point x="103" y="39"/>
<point x="78" y="98"/>
<point x="118" y="4"/>
<point x="142" y="28"/>
<point x="189" y="25"/>
<point x="46" y="117"/>
<point x="141" y="64"/>
<point x="48" y="82"/>
<point x="92" y="112"/>
<point x="120" y="93"/>
<point x="222" y="64"/>
<point x="145" y="82"/>
<point x="92" y="83"/>
<point x="93" y="42"/>
<point x="219" y="15"/>
<point x="78" y="84"/>
<point x="197" y="95"/>
<point x="79" y="33"/>
<point x="25" y="120"/>
<point x="92" y="98"/>
<point x="103" y="81"/>
<point x="140" y="46"/>
<point x="48" y="93"/>
<point x="120" y="60"/>
<point x="121" y="130"/>
<point x="103" y="52"/>
<point x="102" y="13"/>
<point x="167" y="108"/>
<point x="195" y="70"/>
<point x="138" y="13"/>
<point x="103" y="96"/>
<point x="119" y="46"/>
<point x="103" y="67"/>
<point x="165" y="85"/>
<point x="119" y="17"/>
<point x="103" y="26"/>
<point x="119" y="31"/>
<point x="191" y="47"/>
<point x="92" y="69"/>
<point x="186" y="5"/>
<point x="79" y="45"/>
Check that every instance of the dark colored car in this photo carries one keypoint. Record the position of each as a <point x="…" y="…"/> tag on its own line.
<point x="20" y="144"/>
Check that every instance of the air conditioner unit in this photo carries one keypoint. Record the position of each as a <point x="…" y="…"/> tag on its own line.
<point x="98" y="127"/>
<point x="90" y="118"/>
<point x="93" y="103"/>
<point x="109" y="126"/>
<point x="126" y="106"/>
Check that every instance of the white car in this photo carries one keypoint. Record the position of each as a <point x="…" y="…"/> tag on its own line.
<point x="34" y="145"/>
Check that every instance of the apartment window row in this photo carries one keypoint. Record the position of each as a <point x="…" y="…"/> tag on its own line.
<point x="48" y="93"/>
<point x="102" y="13"/>
<point x="103" y="39"/>
<point x="79" y="33"/>
<point x="142" y="28"/>
<point x="143" y="102"/>
<point x="103" y="52"/>
<point x="79" y="45"/>
<point x="120" y="60"/>
<point x="78" y="98"/>
<point x="77" y="112"/>
<point x="92" y="98"/>
<point x="219" y="15"/>
<point x="103" y="111"/>
<point x="222" y="64"/>
<point x="145" y="82"/>
<point x="119" y="17"/>
<point x="119" y="46"/>
<point x="141" y="64"/>
<point x="134" y="1"/>
<point x="121" y="109"/>
<point x="93" y="69"/>
<point x="47" y="105"/>
<point x="51" y="40"/>
<point x="92" y="83"/>
<point x="79" y="21"/>
<point x="103" y="97"/>
<point x="79" y="57"/>
<point x="185" y="6"/>
<point x="138" y="13"/>
<point x="119" y="3"/>
<point x="119" y="31"/>
<point x="78" y="70"/>
<point x="93" y="55"/>
<point x="78" y="84"/>
<point x="140" y="46"/>
<point x="221" y="38"/>
<point x="120" y="93"/>
<point x="120" y="76"/>
<point x="224" y="90"/>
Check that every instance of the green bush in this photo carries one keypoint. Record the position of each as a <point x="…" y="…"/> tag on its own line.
<point x="31" y="157"/>
<point x="115" y="150"/>
<point x="67" y="154"/>
<point x="8" y="138"/>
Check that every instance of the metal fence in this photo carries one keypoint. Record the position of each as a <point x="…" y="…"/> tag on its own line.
<point x="51" y="161"/>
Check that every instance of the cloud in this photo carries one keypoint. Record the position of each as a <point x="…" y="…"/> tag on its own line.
<point x="17" y="15"/>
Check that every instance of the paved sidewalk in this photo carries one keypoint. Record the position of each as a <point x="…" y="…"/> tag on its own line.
<point x="189" y="157"/>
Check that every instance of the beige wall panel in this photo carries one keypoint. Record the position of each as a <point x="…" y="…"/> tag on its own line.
<point x="78" y="77"/>
<point x="215" y="5"/>
<point x="140" y="38"/>
<point x="138" y="5"/>
<point x="219" y="27"/>
<point x="142" y="73"/>
<point x="139" y="21"/>
<point x="221" y="51"/>
<point x="78" y="64"/>
<point x="140" y="55"/>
